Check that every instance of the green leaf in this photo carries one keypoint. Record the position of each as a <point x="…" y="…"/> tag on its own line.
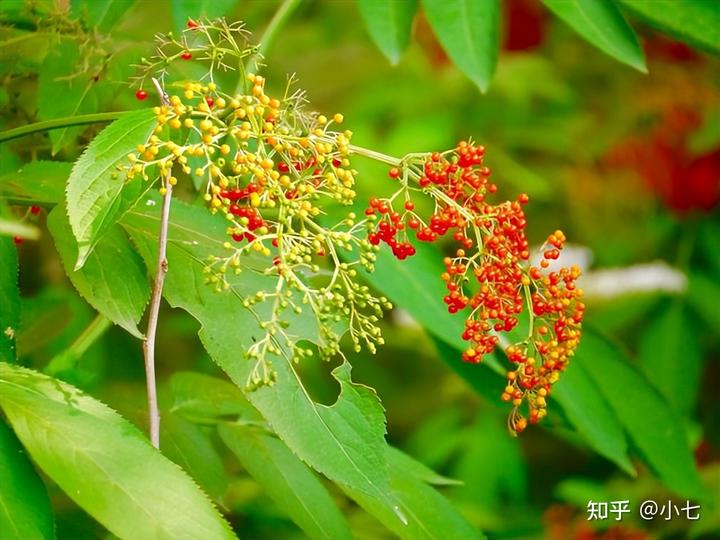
<point x="9" y="299"/>
<point x="654" y="428"/>
<point x="94" y="188"/>
<point x="345" y="440"/>
<point x="100" y="14"/>
<point x="38" y="182"/>
<point x="671" y="358"/>
<point x="704" y="297"/>
<point x="200" y="397"/>
<point x="287" y="480"/>
<point x="468" y="31"/>
<point x="695" y="22"/>
<point x="589" y="412"/>
<point x="182" y="10"/>
<point x="64" y="90"/>
<point x="419" y="471"/>
<point x="190" y="447"/>
<point x="104" y="463"/>
<point x="389" y="24"/>
<point x="113" y="279"/>
<point x="25" y="510"/>
<point x="602" y="24"/>
<point x="429" y="515"/>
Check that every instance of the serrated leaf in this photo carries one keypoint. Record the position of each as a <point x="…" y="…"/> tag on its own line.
<point x="38" y="182"/>
<point x="670" y="355"/>
<point x="182" y="10"/>
<point x="9" y="299"/>
<point x="25" y="510"/>
<point x="468" y="31"/>
<point x="588" y="411"/>
<point x="100" y="14"/>
<point x="287" y="480"/>
<point x="190" y="447"/>
<point x="602" y="24"/>
<point x="63" y="92"/>
<point x="389" y="24"/>
<point x="345" y="440"/>
<point x="653" y="427"/>
<point x="429" y="515"/>
<point x="113" y="279"/>
<point x="94" y="188"/>
<point x="695" y="22"/>
<point x="104" y="463"/>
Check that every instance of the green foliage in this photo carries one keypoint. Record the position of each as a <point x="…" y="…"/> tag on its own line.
<point x="94" y="187"/>
<point x="100" y="14"/>
<point x="344" y="441"/>
<point x="602" y="24"/>
<point x="389" y="24"/>
<point x="671" y="357"/>
<point x="692" y="21"/>
<point x="24" y="504"/>
<point x="469" y="32"/>
<point x="182" y="10"/>
<point x="286" y="479"/>
<point x="63" y="93"/>
<point x="103" y="462"/>
<point x="652" y="425"/>
<point x="113" y="278"/>
<point x="9" y="299"/>
<point x="37" y="182"/>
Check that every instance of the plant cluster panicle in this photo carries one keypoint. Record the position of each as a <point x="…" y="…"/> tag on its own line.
<point x="271" y="168"/>
<point x="489" y="277"/>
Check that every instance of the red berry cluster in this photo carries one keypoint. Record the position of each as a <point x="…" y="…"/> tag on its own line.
<point x="493" y="282"/>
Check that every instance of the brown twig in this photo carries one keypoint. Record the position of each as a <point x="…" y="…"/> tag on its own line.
<point x="162" y="268"/>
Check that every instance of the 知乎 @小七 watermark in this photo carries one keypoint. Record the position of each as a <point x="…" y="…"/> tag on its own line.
<point x="648" y="510"/>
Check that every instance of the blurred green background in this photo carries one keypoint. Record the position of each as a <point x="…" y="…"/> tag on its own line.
<point x="626" y="164"/>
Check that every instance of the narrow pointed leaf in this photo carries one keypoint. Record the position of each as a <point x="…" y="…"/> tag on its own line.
<point x="653" y="427"/>
<point x="602" y="24"/>
<point x="695" y="22"/>
<point x="389" y="24"/>
<point x="94" y="188"/>
<point x="25" y="510"/>
<point x="287" y="480"/>
<point x="104" y="463"/>
<point x="113" y="279"/>
<point x="468" y="31"/>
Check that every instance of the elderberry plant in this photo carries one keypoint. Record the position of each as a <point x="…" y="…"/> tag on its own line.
<point x="271" y="168"/>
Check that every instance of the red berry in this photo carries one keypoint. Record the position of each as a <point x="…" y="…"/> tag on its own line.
<point x="34" y="210"/>
<point x="210" y="101"/>
<point x="191" y="24"/>
<point x="17" y="240"/>
<point x="141" y="95"/>
<point x="187" y="55"/>
<point x="394" y="173"/>
<point x="409" y="205"/>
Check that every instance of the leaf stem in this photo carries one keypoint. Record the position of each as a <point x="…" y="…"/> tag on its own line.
<point x="377" y="156"/>
<point x="154" y="311"/>
<point x="58" y="123"/>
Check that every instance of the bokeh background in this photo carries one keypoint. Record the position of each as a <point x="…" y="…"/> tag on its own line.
<point x="626" y="164"/>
